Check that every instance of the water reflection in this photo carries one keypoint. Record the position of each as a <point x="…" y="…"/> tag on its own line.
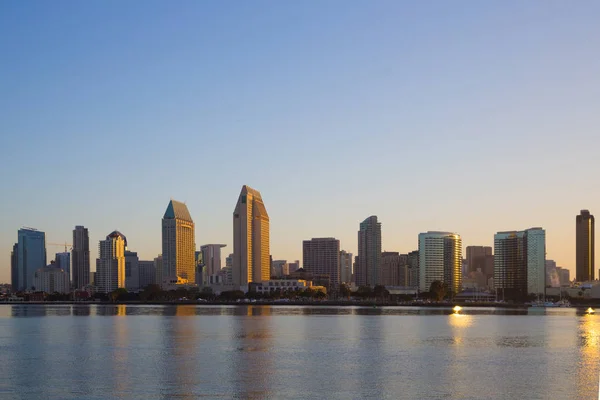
<point x="251" y="361"/>
<point x="587" y="367"/>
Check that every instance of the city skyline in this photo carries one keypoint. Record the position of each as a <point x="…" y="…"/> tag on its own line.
<point x="82" y="229"/>
<point x="473" y="119"/>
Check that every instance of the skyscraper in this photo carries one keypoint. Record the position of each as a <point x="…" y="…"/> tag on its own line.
<point x="520" y="262"/>
<point x="584" y="246"/>
<point x="158" y="269"/>
<point x="147" y="274"/>
<point x="14" y="268"/>
<point x="81" y="257"/>
<point x="178" y="245"/>
<point x="394" y="269"/>
<point x="30" y="256"/>
<point x="345" y="267"/>
<point x="481" y="257"/>
<point x="110" y="266"/>
<point x="211" y="258"/>
<point x="440" y="259"/>
<point x="368" y="272"/>
<point x="132" y="270"/>
<point x="63" y="260"/>
<point x="251" y="257"/>
<point x="321" y="256"/>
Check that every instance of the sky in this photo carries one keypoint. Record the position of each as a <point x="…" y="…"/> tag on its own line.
<point x="467" y="116"/>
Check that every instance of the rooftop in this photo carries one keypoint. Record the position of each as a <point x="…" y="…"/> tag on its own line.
<point x="177" y="210"/>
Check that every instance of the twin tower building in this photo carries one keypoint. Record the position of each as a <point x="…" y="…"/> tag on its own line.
<point x="251" y="255"/>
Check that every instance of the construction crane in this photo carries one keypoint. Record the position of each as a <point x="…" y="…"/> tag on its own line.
<point x="60" y="244"/>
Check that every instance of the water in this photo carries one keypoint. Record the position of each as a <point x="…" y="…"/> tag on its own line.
<point x="287" y="352"/>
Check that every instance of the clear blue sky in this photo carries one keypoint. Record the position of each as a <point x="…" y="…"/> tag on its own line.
<point x="467" y="116"/>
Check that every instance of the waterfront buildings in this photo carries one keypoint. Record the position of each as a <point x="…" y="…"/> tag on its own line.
<point x="293" y="266"/>
<point x="520" y="262"/>
<point x="345" y="267"/>
<point x="178" y="245"/>
<point x="480" y="258"/>
<point x="29" y="254"/>
<point x="211" y="258"/>
<point x="279" y="268"/>
<point x="394" y="269"/>
<point x="320" y="256"/>
<point x="81" y="257"/>
<point x="147" y="273"/>
<point x="440" y="259"/>
<point x="412" y="260"/>
<point x="251" y="256"/>
<point x="63" y="260"/>
<point x="51" y="279"/>
<point x="584" y="246"/>
<point x="158" y="269"/>
<point x="132" y="271"/>
<point x="368" y="271"/>
<point x="110" y="265"/>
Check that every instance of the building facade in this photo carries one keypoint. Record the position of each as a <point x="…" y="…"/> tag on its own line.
<point x="132" y="271"/>
<point x="80" y="257"/>
<point x="51" y="279"/>
<point x="320" y="256"/>
<point x="368" y="271"/>
<point x="30" y="256"/>
<point x="394" y="269"/>
<point x="110" y="265"/>
<point x="346" y="260"/>
<point x="251" y="256"/>
<point x="178" y="243"/>
<point x="440" y="259"/>
<point x="211" y="259"/>
<point x="14" y="268"/>
<point x="63" y="260"/>
<point x="158" y="269"/>
<point x="520" y="263"/>
<point x="480" y="258"/>
<point x="147" y="274"/>
<point x="279" y="268"/>
<point x="584" y="247"/>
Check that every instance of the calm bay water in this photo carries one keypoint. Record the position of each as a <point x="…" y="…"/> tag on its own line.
<point x="287" y="352"/>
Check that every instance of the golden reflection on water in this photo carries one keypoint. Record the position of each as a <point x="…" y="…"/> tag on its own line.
<point x="589" y="341"/>
<point x="185" y="342"/>
<point x="120" y="351"/>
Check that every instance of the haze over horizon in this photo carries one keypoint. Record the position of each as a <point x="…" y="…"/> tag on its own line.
<point x="431" y="116"/>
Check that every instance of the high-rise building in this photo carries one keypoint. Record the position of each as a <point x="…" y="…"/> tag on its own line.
<point x="132" y="271"/>
<point x="280" y="268"/>
<point x="80" y="257"/>
<point x="584" y="246"/>
<point x="520" y="262"/>
<point x="229" y="260"/>
<point x="564" y="276"/>
<point x="63" y="261"/>
<point x="251" y="257"/>
<point x="147" y="273"/>
<point x="211" y="257"/>
<point x="412" y="261"/>
<point x="178" y="245"/>
<point x="394" y="269"/>
<point x="368" y="272"/>
<point x="480" y="258"/>
<point x="320" y="256"/>
<point x="158" y="269"/>
<point x="110" y="266"/>
<point x="293" y="266"/>
<point x="30" y="256"/>
<point x="345" y="267"/>
<point x="440" y="259"/>
<point x="14" y="268"/>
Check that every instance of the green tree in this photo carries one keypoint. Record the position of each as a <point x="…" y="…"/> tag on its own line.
<point x="438" y="290"/>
